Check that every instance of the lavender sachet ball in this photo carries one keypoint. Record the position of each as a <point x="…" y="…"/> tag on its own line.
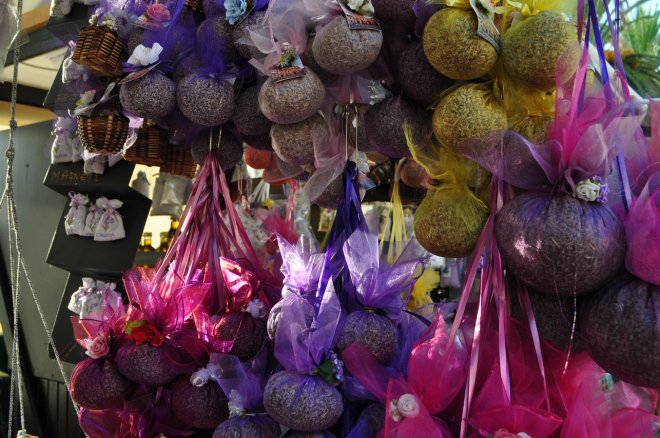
<point x="295" y="143"/>
<point x="292" y="100"/>
<point x="248" y="118"/>
<point x="247" y="332"/>
<point x="249" y="426"/>
<point x="374" y="415"/>
<point x="204" y="406"/>
<point x="241" y="34"/>
<point x="396" y="13"/>
<point x="322" y="434"/>
<point x="205" y="100"/>
<point x="230" y="149"/>
<point x="384" y="124"/>
<point x="302" y="402"/>
<point x="216" y="35"/>
<point x="97" y="384"/>
<point x="333" y="194"/>
<point x="558" y="244"/>
<point x="188" y="64"/>
<point x="377" y="332"/>
<point x="340" y="50"/>
<point x="276" y="313"/>
<point x="620" y="327"/>
<point x="151" y="96"/>
<point x="146" y="365"/>
<point x="293" y="171"/>
<point x="418" y="79"/>
<point x="307" y="58"/>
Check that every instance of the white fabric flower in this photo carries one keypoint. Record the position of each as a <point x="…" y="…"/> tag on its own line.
<point x="200" y="377"/>
<point x="354" y="4"/>
<point x="394" y="411"/>
<point x="145" y="55"/>
<point x="256" y="308"/>
<point x="367" y="9"/>
<point x="87" y="98"/>
<point x="487" y="5"/>
<point x="408" y="406"/>
<point x="587" y="191"/>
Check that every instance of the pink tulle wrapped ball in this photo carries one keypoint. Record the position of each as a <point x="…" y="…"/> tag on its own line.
<point x="620" y="327"/>
<point x="247" y="332"/>
<point x="146" y="364"/>
<point x="206" y="405"/>
<point x="97" y="384"/>
<point x="558" y="244"/>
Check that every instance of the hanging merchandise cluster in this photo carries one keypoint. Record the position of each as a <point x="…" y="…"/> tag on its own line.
<point x="523" y="147"/>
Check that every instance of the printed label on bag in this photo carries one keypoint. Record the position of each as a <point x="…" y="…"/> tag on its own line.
<point x="487" y="29"/>
<point x="358" y="22"/>
<point x="284" y="74"/>
<point x="138" y="74"/>
<point x="365" y="181"/>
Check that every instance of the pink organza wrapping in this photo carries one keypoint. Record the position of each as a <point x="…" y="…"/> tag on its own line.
<point x="101" y="424"/>
<point x="492" y="411"/>
<point x="329" y="161"/>
<point x="642" y="157"/>
<point x="436" y="373"/>
<point x="151" y="414"/>
<point x="581" y="145"/>
<point x="643" y="233"/>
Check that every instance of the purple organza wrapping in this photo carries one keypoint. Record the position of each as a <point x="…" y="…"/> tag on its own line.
<point x="302" y="348"/>
<point x="643" y="233"/>
<point x="243" y="383"/>
<point x="302" y="264"/>
<point x="377" y="285"/>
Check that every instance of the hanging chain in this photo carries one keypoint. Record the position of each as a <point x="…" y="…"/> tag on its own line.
<point x="16" y="261"/>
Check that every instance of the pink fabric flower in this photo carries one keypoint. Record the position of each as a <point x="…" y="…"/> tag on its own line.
<point x="158" y="12"/>
<point x="98" y="348"/>
<point x="503" y="433"/>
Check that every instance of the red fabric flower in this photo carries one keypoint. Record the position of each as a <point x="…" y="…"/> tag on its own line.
<point x="147" y="333"/>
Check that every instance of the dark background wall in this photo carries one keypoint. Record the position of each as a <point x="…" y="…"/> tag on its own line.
<point x="39" y="209"/>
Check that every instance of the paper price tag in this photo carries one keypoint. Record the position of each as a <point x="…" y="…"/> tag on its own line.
<point x="487" y="29"/>
<point x="284" y="74"/>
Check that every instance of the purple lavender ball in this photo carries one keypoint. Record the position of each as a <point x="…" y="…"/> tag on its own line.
<point x="213" y="7"/>
<point x="248" y="118"/>
<point x="377" y="332"/>
<point x="276" y="313"/>
<point x="411" y="195"/>
<point x="302" y="402"/>
<point x="307" y="59"/>
<point x="553" y="316"/>
<point x="333" y="194"/>
<point x="340" y="50"/>
<point x="295" y="143"/>
<point x="384" y="123"/>
<point x="241" y="35"/>
<point x="398" y="13"/>
<point x="375" y="416"/>
<point x="293" y="100"/>
<point x="247" y="332"/>
<point x="250" y="426"/>
<point x="97" y="384"/>
<point x="206" y="406"/>
<point x="413" y="174"/>
<point x="261" y="141"/>
<point x="204" y="100"/>
<point x="558" y="244"/>
<point x="231" y="150"/>
<point x="620" y="327"/>
<point x="322" y="434"/>
<point x="216" y="35"/>
<point x="146" y="364"/>
<point x="187" y="65"/>
<point x="292" y="171"/>
<point x="418" y="79"/>
<point x="151" y="96"/>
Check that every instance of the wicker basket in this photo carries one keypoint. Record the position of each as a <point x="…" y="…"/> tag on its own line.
<point x="179" y="161"/>
<point x="99" y="49"/>
<point x="105" y="130"/>
<point x="149" y="148"/>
